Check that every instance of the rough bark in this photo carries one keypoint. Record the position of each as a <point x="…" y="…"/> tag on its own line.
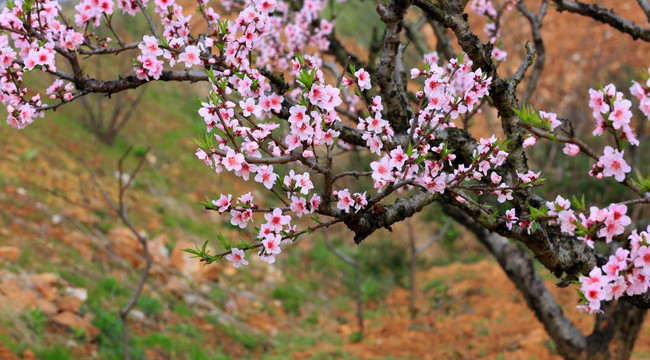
<point x="390" y="72"/>
<point x="615" y="331"/>
<point x="516" y="263"/>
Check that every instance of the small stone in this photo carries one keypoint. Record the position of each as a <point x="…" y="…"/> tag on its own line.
<point x="81" y="293"/>
<point x="69" y="303"/>
<point x="137" y="314"/>
<point x="71" y="320"/>
<point x="7" y="354"/>
<point x="44" y="284"/>
<point x="29" y="355"/>
<point x="9" y="253"/>
<point x="47" y="307"/>
<point x="127" y="246"/>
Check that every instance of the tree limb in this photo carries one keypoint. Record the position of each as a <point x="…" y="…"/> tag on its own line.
<point x="390" y="69"/>
<point x="516" y="263"/>
<point x="606" y="16"/>
<point x="535" y="21"/>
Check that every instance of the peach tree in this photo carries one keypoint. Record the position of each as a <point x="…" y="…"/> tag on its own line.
<point x="281" y="115"/>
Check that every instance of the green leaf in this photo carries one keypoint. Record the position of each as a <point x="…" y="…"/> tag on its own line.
<point x="30" y="154"/>
<point x="460" y="57"/>
<point x="535" y="212"/>
<point x="642" y="182"/>
<point x="192" y="251"/>
<point x="582" y="297"/>
<point x="208" y="204"/>
<point x="226" y="244"/>
<point x="199" y="143"/>
<point x="579" y="204"/>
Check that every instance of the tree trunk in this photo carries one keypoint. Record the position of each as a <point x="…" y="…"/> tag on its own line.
<point x="615" y="331"/>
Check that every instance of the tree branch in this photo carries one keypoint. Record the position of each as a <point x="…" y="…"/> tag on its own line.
<point x="535" y="28"/>
<point x="390" y="69"/>
<point x="606" y="16"/>
<point x="120" y="209"/>
<point x="443" y="43"/>
<point x="516" y="263"/>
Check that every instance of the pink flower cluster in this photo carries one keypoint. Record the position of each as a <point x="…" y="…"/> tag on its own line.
<point x="487" y="9"/>
<point x="449" y="92"/>
<point x="90" y="12"/>
<point x="603" y="223"/>
<point x="21" y="53"/>
<point x="612" y="112"/>
<point x="627" y="272"/>
<point x="642" y="93"/>
<point x="346" y="202"/>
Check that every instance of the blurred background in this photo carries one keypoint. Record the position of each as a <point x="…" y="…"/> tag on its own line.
<point x="67" y="264"/>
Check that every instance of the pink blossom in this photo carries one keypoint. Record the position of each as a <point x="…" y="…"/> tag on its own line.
<point x="191" y="56"/>
<point x="299" y="206"/>
<point x="202" y="155"/>
<point x="276" y="219"/>
<point x="503" y="195"/>
<point x="529" y="142"/>
<point x="499" y="55"/>
<point x="621" y="114"/>
<point x="614" y="164"/>
<point x="223" y="203"/>
<point x="381" y="170"/>
<point x="571" y="149"/>
<point x="595" y="277"/>
<point x="303" y="181"/>
<point x="597" y="102"/>
<point x="149" y="46"/>
<point x="593" y="293"/>
<point x="373" y="142"/>
<point x="643" y="258"/>
<point x="314" y="202"/>
<point x="269" y="259"/>
<point x="241" y="218"/>
<point x="495" y="178"/>
<point x="511" y="218"/>
<point x="616" y="289"/>
<point x="237" y="257"/>
<point x="398" y="157"/>
<point x="272" y="244"/>
<point x="363" y="79"/>
<point x="345" y="200"/>
<point x="551" y="118"/>
<point x="233" y="161"/>
<point x="266" y="176"/>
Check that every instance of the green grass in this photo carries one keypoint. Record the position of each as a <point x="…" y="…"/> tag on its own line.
<point x="56" y="352"/>
<point x="249" y="341"/>
<point x="35" y="320"/>
<point x="183" y="310"/>
<point x="149" y="305"/>
<point x="291" y="296"/>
